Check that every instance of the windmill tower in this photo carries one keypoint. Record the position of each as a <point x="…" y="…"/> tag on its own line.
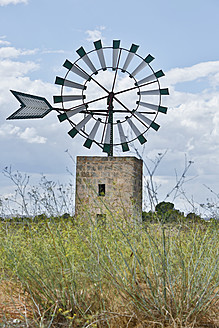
<point x="106" y="185"/>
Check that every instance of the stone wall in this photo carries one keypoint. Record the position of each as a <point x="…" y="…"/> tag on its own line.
<point x="121" y="177"/>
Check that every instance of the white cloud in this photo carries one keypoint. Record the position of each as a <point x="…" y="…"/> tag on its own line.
<point x="5" y="43"/>
<point x="28" y="134"/>
<point x="11" y="52"/>
<point x="14" y="2"/>
<point x="52" y="51"/>
<point x="192" y="123"/>
<point x="9" y="68"/>
<point x="201" y="70"/>
<point x="14" y="77"/>
<point x="8" y="129"/>
<point x="94" y="35"/>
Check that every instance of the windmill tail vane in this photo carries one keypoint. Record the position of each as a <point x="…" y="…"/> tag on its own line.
<point x="99" y="101"/>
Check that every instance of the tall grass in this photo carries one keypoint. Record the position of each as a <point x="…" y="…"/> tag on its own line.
<point x="78" y="274"/>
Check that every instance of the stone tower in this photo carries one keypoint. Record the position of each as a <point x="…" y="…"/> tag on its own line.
<point x="108" y="185"/>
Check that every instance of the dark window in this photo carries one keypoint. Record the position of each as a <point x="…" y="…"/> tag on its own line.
<point x="101" y="189"/>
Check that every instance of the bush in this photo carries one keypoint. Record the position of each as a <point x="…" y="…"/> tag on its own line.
<point x="163" y="207"/>
<point x="148" y="217"/>
<point x="192" y="217"/>
<point x="164" y="213"/>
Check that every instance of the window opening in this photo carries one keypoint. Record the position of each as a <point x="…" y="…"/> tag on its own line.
<point x="101" y="189"/>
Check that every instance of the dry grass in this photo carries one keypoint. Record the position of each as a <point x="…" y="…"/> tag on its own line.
<point x="14" y="302"/>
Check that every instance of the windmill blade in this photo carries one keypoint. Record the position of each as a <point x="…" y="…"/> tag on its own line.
<point x="98" y="47"/>
<point x="129" y="57"/>
<point x="30" y="106"/>
<point x="150" y="123"/>
<point x="151" y="77"/>
<point x="79" y="126"/>
<point x="68" y="114"/>
<point x="92" y="134"/>
<point x="162" y="92"/>
<point x="59" y="99"/>
<point x="116" y="44"/>
<point x="144" y="63"/>
<point x="157" y="108"/>
<point x="82" y="53"/>
<point x="106" y="147"/>
<point x="138" y="134"/>
<point x="67" y="64"/>
<point x="124" y="144"/>
<point x="70" y="84"/>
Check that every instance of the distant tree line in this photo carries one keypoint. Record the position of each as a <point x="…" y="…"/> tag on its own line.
<point x="166" y="213"/>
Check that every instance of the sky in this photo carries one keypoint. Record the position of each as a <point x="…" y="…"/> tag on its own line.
<point x="37" y="36"/>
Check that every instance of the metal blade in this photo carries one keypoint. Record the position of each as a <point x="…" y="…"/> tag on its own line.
<point x="107" y="136"/>
<point x="59" y="99"/>
<point x="82" y="53"/>
<point x="151" y="77"/>
<point x="67" y="64"/>
<point x="65" y="116"/>
<point x="106" y="147"/>
<point x="124" y="144"/>
<point x="154" y="92"/>
<point x="116" y="44"/>
<point x="30" y="106"/>
<point x="129" y="57"/>
<point x="152" y="106"/>
<point x="98" y="47"/>
<point x="150" y="123"/>
<point x="92" y="134"/>
<point x="70" y="84"/>
<point x="138" y="134"/>
<point x="79" y="126"/>
<point x="144" y="63"/>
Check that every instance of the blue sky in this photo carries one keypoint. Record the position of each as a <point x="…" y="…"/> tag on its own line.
<point x="36" y="37"/>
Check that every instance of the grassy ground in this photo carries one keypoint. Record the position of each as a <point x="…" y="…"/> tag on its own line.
<point x="62" y="273"/>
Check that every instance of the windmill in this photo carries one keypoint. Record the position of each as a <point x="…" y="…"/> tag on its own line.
<point x="111" y="96"/>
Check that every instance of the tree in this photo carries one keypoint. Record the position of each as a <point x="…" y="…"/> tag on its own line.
<point x="163" y="207"/>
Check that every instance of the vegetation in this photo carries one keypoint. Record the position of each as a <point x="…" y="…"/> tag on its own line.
<point x="166" y="213"/>
<point x="72" y="273"/>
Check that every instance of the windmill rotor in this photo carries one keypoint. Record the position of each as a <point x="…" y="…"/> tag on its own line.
<point x="110" y="95"/>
